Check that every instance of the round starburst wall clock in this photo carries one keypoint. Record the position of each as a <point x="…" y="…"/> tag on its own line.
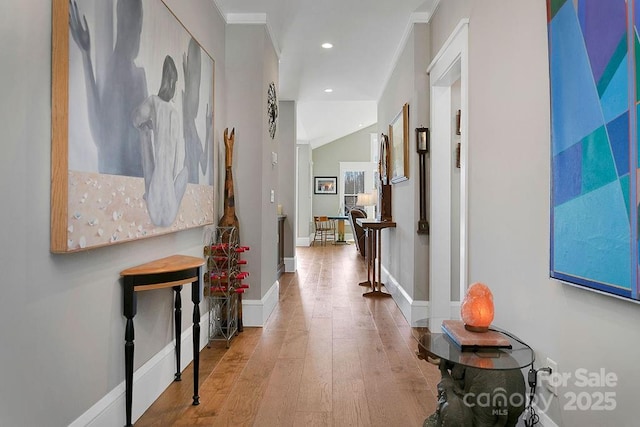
<point x="272" y="109"/>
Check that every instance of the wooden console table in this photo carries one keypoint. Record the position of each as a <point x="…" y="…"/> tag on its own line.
<point x="170" y="272"/>
<point x="373" y="229"/>
<point x="280" y="266"/>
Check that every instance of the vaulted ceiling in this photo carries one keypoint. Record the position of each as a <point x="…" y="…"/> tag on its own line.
<point x="366" y="36"/>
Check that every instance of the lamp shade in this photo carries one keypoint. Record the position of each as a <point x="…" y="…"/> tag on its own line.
<point x="367" y="199"/>
<point x="477" y="308"/>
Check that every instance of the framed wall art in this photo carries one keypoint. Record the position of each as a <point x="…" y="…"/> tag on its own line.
<point x="325" y="185"/>
<point x="132" y="124"/>
<point x="594" y="145"/>
<point x="399" y="146"/>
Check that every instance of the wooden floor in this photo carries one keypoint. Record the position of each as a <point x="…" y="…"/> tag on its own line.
<point x="326" y="357"/>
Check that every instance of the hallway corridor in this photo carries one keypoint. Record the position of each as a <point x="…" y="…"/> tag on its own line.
<point x="326" y="357"/>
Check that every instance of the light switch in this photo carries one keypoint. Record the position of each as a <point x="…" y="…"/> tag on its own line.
<point x="273" y="196"/>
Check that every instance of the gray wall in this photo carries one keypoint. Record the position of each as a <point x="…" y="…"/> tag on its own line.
<point x="251" y="65"/>
<point x="304" y="194"/>
<point x="405" y="252"/>
<point x="286" y="171"/>
<point x="509" y="213"/>
<point x="355" y="147"/>
<point x="61" y="322"/>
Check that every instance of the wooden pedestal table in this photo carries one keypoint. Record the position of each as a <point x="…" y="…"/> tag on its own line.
<point x="170" y="272"/>
<point x="373" y="229"/>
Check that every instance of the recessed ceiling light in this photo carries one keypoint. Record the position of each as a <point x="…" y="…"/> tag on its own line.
<point x="327" y="45"/>
<point x="328" y="90"/>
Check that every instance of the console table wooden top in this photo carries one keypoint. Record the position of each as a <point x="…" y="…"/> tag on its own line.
<point x="164" y="265"/>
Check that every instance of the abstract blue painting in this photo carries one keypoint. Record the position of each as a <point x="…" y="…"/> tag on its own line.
<point x="593" y="56"/>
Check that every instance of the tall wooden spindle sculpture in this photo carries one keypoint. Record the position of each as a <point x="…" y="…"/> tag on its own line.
<point x="229" y="218"/>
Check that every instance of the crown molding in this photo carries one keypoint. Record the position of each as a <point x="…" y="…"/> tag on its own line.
<point x="414" y="18"/>
<point x="254" y="19"/>
<point x="246" y="18"/>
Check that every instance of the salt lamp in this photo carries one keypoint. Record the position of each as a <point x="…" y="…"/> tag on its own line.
<point x="477" y="308"/>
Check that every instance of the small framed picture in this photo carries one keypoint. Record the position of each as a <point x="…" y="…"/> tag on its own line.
<point x="325" y="185"/>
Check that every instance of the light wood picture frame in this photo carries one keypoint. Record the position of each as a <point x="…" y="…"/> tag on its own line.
<point x="399" y="145"/>
<point x="132" y="124"/>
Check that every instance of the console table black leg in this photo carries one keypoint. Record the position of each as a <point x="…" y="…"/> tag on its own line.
<point x="128" y="368"/>
<point x="195" y="297"/>
<point x="178" y="331"/>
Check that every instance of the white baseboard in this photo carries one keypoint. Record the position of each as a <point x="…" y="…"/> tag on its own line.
<point x="149" y="381"/>
<point x="290" y="265"/>
<point x="256" y="312"/>
<point x="303" y="241"/>
<point x="455" y="310"/>
<point x="413" y="310"/>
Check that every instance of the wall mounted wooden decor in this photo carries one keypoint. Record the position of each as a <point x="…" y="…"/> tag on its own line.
<point x="422" y="147"/>
<point x="132" y="122"/>
<point x="384" y="188"/>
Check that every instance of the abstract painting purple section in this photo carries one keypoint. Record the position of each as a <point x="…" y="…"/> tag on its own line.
<point x="603" y="25"/>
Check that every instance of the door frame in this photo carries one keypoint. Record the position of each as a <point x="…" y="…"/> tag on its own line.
<point x="449" y="65"/>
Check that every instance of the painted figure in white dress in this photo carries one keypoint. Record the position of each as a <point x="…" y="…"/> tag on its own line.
<point x="165" y="178"/>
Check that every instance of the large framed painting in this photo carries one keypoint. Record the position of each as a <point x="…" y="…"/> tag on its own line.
<point x="132" y="121"/>
<point x="593" y="58"/>
<point x="399" y="146"/>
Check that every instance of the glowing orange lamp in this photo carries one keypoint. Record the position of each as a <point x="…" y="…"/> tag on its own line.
<point x="477" y="308"/>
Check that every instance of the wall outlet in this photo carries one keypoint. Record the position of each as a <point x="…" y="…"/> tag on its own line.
<point x="548" y="379"/>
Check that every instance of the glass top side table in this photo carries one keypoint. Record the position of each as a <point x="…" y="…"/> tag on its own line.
<point x="479" y="387"/>
<point x="439" y="345"/>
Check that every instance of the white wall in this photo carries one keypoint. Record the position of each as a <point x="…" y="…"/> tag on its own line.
<point x="509" y="212"/>
<point x="61" y="322"/>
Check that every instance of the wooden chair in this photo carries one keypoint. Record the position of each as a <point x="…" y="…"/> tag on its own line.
<point x="325" y="230"/>
<point x="358" y="232"/>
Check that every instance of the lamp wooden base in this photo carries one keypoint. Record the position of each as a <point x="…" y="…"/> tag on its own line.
<point x="384" y="214"/>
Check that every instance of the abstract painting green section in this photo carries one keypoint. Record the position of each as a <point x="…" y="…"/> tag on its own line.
<point x="597" y="162"/>
<point x="554" y="6"/>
